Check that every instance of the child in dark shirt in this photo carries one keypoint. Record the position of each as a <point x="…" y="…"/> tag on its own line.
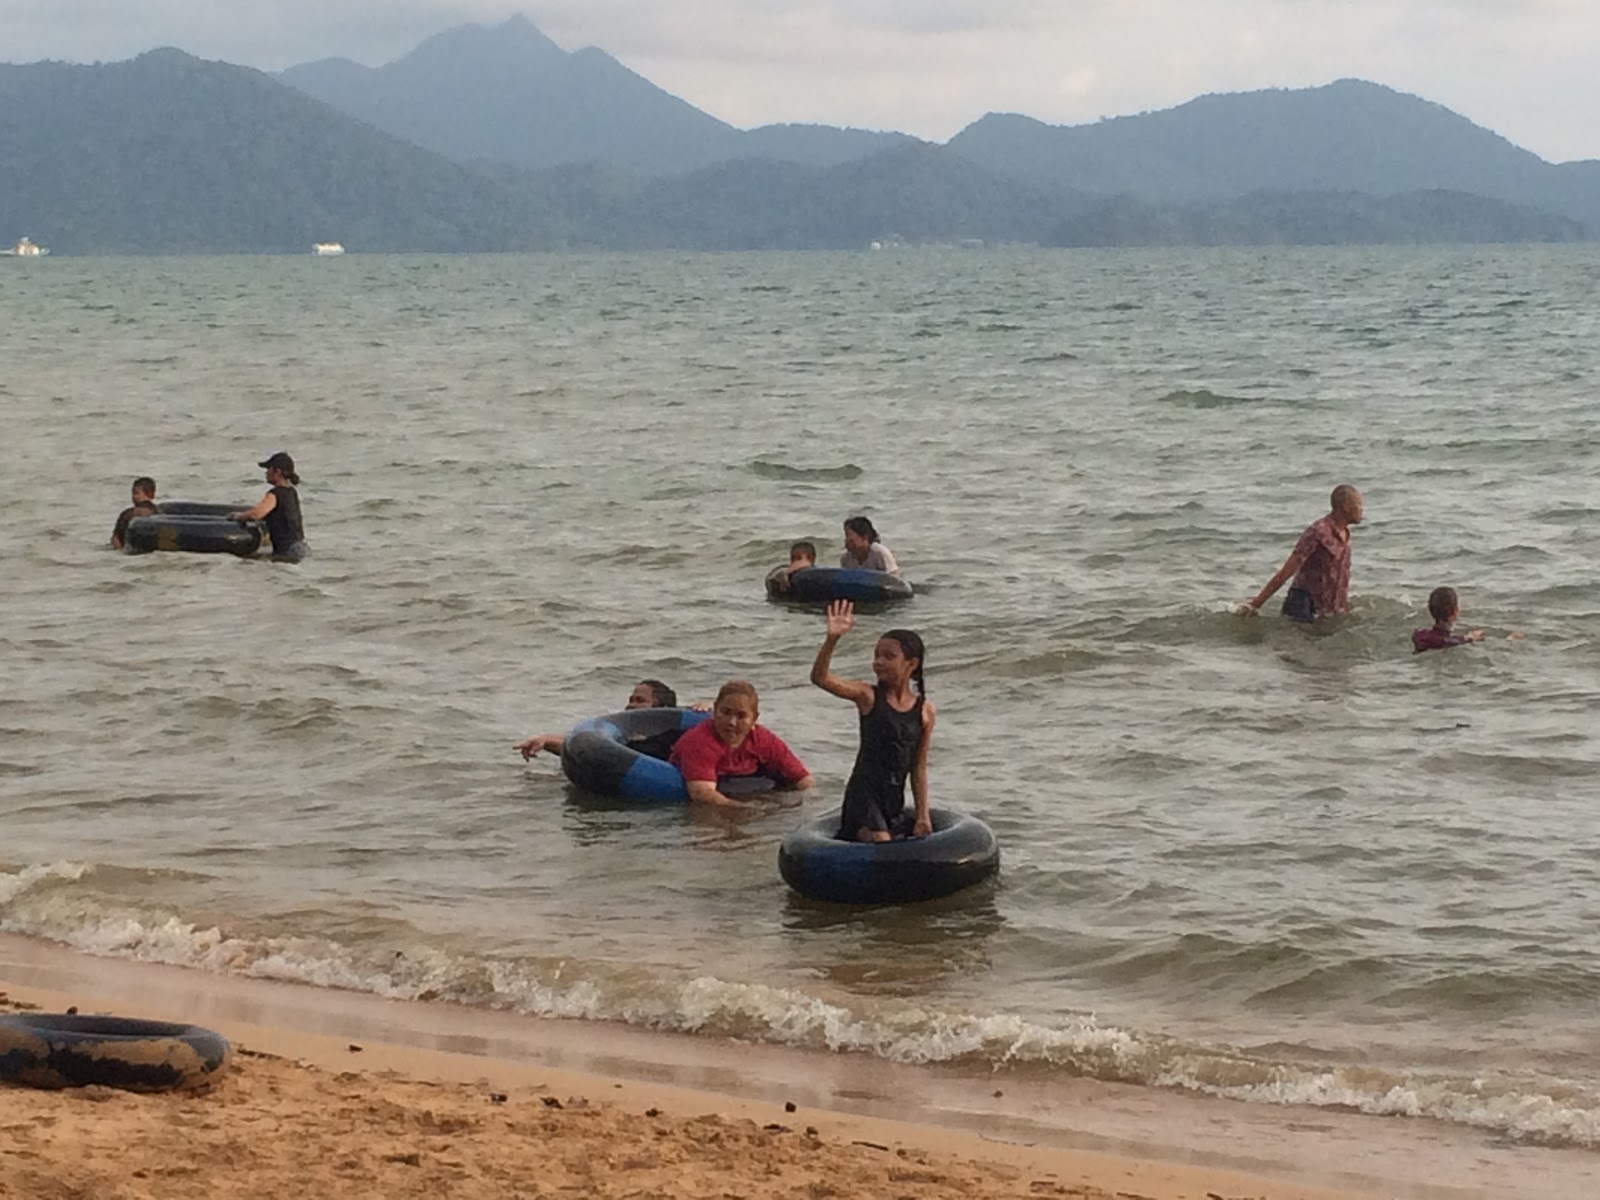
<point x="1444" y="607"/>
<point x="144" y="505"/>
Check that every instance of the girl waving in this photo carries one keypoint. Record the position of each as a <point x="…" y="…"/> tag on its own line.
<point x="896" y="727"/>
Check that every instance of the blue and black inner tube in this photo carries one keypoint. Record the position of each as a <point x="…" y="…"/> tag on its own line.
<point x="50" y="1050"/>
<point x="195" y="534"/>
<point x="823" y="585"/>
<point x="817" y="863"/>
<point x="624" y="756"/>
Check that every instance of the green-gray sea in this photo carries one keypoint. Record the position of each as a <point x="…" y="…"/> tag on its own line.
<point x="1240" y="857"/>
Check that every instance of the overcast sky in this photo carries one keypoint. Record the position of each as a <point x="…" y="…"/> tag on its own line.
<point x="1528" y="69"/>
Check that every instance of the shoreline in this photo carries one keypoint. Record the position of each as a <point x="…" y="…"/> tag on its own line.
<point x="1088" y="1139"/>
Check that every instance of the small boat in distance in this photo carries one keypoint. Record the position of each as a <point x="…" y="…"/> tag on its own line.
<point x="327" y="249"/>
<point x="25" y="249"/>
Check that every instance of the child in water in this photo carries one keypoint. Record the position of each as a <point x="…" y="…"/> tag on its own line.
<point x="143" y="494"/>
<point x="1444" y="607"/>
<point x="802" y="557"/>
<point x="896" y="727"/>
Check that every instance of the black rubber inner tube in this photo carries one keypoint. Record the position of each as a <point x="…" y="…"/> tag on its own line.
<point x="199" y="508"/>
<point x="197" y="535"/>
<point x="59" y="1050"/>
<point x="817" y="863"/>
<point x="823" y="585"/>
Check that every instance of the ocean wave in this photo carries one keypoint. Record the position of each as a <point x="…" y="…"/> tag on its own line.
<point x="1204" y="398"/>
<point x="763" y="469"/>
<point x="61" y="902"/>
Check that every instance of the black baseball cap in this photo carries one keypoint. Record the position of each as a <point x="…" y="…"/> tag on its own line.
<point x="281" y="460"/>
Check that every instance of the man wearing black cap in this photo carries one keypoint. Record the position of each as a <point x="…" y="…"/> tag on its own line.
<point x="279" y="510"/>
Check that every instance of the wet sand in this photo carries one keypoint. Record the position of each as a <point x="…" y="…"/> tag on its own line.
<point x="338" y="1094"/>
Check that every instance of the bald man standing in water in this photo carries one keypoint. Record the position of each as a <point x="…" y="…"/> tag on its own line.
<point x="1320" y="564"/>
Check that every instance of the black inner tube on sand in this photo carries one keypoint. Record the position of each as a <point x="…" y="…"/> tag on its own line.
<point x="61" y="1050"/>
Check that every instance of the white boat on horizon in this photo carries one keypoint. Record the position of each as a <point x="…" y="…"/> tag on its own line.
<point x="327" y="249"/>
<point x="25" y="249"/>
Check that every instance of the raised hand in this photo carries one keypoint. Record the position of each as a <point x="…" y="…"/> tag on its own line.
<point x="841" y="618"/>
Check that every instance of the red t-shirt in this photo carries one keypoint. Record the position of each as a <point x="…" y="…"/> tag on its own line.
<point x="702" y="757"/>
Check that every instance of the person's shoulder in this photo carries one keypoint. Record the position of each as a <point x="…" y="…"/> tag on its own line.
<point x="691" y="737"/>
<point x="1321" y="530"/>
<point x="764" y="738"/>
<point x="698" y="732"/>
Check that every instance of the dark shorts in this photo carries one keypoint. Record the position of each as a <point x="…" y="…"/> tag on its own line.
<point x="292" y="553"/>
<point x="1298" y="605"/>
<point x="856" y="817"/>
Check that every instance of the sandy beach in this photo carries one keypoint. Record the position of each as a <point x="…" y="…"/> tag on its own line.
<point x="318" y="1115"/>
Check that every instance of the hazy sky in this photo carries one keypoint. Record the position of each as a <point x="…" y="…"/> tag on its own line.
<point x="1528" y="69"/>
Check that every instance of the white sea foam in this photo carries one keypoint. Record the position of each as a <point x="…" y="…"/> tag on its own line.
<point x="46" y="901"/>
<point x="13" y="885"/>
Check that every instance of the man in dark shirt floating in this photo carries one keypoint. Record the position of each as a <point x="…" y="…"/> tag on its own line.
<point x="144" y="505"/>
<point x="1320" y="564"/>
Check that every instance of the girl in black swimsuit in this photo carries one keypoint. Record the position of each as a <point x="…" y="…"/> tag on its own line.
<point x="896" y="726"/>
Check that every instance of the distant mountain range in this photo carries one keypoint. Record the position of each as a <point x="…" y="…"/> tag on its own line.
<point x="511" y="95"/>
<point x="497" y="139"/>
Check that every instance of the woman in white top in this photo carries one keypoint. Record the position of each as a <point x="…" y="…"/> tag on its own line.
<point x="863" y="549"/>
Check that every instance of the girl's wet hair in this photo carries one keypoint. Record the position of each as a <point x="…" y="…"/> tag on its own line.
<point x="862" y="526"/>
<point x="1443" y="603"/>
<point x="911" y="646"/>
<point x="665" y="697"/>
<point x="738" y="687"/>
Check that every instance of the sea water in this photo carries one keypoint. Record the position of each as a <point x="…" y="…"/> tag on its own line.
<point x="1241" y="857"/>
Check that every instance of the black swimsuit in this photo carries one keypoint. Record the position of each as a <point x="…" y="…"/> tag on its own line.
<point x="875" y="797"/>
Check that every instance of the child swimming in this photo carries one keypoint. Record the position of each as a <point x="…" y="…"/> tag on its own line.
<point x="1444" y="607"/>
<point x="896" y="727"/>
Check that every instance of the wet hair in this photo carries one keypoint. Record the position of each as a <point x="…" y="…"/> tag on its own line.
<point x="291" y="476"/>
<point x="1443" y="603"/>
<point x="862" y="526"/>
<point x="809" y="549"/>
<point x="145" y="484"/>
<point x="738" y="687"/>
<point x="911" y="646"/>
<point x="664" y="696"/>
<point x="1342" y="495"/>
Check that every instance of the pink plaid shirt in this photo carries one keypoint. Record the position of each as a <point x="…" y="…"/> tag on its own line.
<point x="1325" y="566"/>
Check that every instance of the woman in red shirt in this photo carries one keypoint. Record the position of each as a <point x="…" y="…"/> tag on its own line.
<point x="732" y="747"/>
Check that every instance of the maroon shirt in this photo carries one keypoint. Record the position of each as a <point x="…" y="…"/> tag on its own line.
<point x="1435" y="638"/>
<point x="1324" y="566"/>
